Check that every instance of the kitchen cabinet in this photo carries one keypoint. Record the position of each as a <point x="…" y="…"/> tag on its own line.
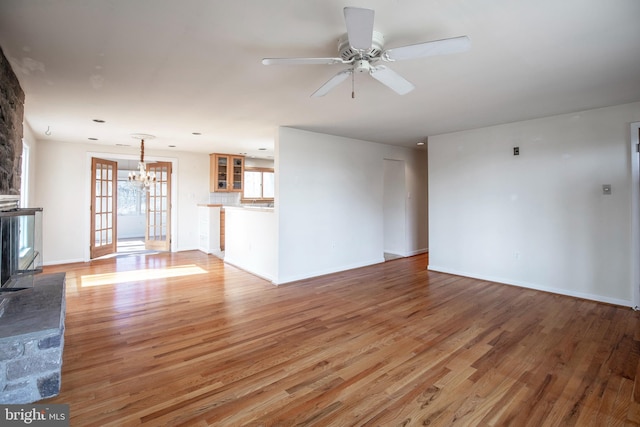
<point x="226" y="172"/>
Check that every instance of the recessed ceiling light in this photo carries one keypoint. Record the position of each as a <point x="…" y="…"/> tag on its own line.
<point x="262" y="149"/>
<point x="98" y="120"/>
<point x="420" y="143"/>
<point x="123" y="145"/>
<point x="172" y="146"/>
<point x="196" y="133"/>
<point x="93" y="139"/>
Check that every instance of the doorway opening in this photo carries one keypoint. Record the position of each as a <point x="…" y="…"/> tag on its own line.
<point x="131" y="212"/>
<point x="394" y="209"/>
<point x="126" y="220"/>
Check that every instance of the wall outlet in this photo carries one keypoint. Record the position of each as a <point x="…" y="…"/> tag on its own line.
<point x="606" y="189"/>
<point x="516" y="151"/>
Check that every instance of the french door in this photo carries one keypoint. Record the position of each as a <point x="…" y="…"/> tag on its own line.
<point x="104" y="208"/>
<point x="158" y="228"/>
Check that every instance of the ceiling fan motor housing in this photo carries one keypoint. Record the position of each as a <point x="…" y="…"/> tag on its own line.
<point x="362" y="66"/>
<point x="348" y="53"/>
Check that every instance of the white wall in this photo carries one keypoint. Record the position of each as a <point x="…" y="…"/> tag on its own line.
<point x="329" y="202"/>
<point x="62" y="183"/>
<point x="29" y="139"/>
<point x="131" y="226"/>
<point x="540" y="219"/>
<point x="251" y="241"/>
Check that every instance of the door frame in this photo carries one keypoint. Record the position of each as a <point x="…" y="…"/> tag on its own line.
<point x="635" y="212"/>
<point x="120" y="156"/>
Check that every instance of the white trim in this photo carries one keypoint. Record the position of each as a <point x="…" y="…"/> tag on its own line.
<point x="635" y="213"/>
<point x="64" y="261"/>
<point x="25" y="184"/>
<point x="297" y="277"/>
<point x="235" y="264"/>
<point x="116" y="156"/>
<point x="418" y="252"/>
<point x="559" y="291"/>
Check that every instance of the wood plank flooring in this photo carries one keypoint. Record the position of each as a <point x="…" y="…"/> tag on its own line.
<point x="184" y="340"/>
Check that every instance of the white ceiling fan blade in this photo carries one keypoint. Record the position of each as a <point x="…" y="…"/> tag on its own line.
<point x="332" y="82"/>
<point x="359" y="27"/>
<point x="421" y="50"/>
<point x="302" y="61"/>
<point x="391" y="79"/>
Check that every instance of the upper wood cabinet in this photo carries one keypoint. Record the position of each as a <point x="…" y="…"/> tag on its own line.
<point x="226" y="172"/>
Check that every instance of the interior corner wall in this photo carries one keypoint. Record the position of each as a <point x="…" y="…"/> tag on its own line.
<point x="538" y="220"/>
<point x="329" y="202"/>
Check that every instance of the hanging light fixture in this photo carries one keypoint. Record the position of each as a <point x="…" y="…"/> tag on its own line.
<point x="142" y="179"/>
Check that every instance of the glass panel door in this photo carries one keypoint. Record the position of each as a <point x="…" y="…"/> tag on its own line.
<point x="103" y="207"/>
<point x="158" y="231"/>
<point x="238" y="171"/>
<point x="222" y="176"/>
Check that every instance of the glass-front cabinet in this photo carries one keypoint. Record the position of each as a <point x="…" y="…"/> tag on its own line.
<point x="226" y="172"/>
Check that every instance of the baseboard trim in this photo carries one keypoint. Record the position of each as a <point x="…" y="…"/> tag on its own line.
<point x="527" y="285"/>
<point x="295" y="278"/>
<point x="64" y="261"/>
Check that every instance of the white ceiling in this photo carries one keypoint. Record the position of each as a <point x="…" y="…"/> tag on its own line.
<point x="170" y="68"/>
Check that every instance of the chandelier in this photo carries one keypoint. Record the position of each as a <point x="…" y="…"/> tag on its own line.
<point x="142" y="179"/>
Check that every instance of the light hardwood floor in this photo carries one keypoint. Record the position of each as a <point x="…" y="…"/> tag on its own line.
<point x="183" y="339"/>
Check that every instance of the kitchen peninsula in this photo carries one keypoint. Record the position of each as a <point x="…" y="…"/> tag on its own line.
<point x="251" y="239"/>
<point x="239" y="222"/>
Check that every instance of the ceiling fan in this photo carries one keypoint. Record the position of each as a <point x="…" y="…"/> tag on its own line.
<point x="363" y="48"/>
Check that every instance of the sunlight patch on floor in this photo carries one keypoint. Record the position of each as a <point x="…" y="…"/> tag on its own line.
<point x="139" y="275"/>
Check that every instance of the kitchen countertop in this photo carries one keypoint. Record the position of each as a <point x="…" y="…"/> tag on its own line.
<point x="252" y="208"/>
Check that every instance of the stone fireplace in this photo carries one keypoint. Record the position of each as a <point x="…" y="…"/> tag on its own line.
<point x="32" y="307"/>
<point x="11" y="116"/>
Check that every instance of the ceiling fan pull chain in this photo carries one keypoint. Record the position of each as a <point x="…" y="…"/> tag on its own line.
<point x="353" y="85"/>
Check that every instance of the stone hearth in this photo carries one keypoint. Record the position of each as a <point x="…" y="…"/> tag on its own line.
<point x="31" y="340"/>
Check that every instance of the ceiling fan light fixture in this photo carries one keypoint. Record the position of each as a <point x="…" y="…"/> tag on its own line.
<point x="362" y="49"/>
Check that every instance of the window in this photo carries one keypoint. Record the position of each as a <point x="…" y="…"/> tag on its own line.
<point x="130" y="200"/>
<point x="259" y="184"/>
